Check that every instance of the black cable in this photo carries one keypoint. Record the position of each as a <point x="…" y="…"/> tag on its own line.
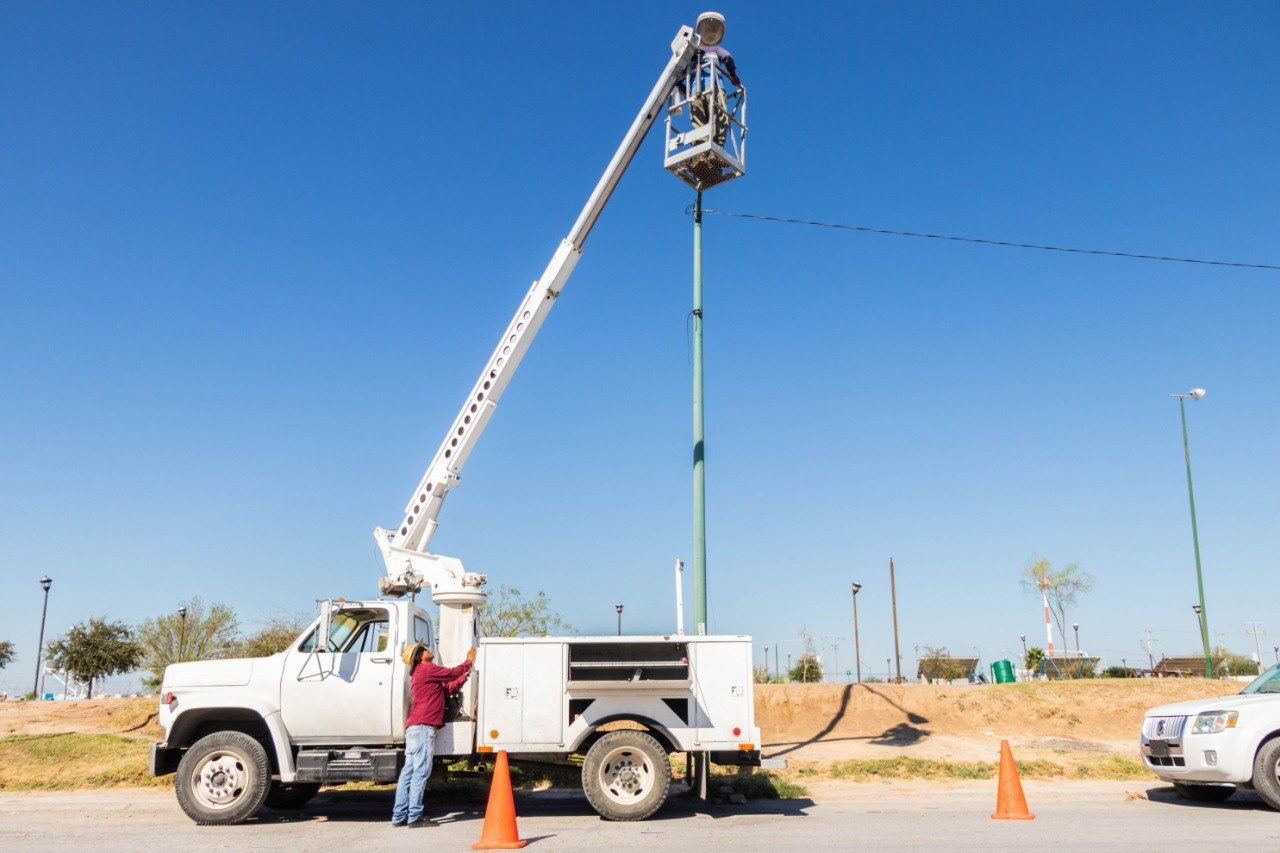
<point x="869" y="230"/>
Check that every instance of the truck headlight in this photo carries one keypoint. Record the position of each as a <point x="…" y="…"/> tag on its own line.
<point x="1211" y="722"/>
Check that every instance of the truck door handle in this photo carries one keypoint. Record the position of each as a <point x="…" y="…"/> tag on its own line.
<point x="381" y="660"/>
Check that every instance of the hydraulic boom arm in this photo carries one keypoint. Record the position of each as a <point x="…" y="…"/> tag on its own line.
<point x="409" y="566"/>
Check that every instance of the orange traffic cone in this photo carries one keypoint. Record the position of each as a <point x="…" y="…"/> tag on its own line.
<point x="500" y="831"/>
<point x="1010" y="803"/>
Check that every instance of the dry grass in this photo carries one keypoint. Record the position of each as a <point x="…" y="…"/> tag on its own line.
<point x="63" y="762"/>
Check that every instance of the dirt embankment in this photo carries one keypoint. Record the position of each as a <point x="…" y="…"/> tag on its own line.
<point x="830" y="722"/>
<point x="128" y="717"/>
<point x="818" y="722"/>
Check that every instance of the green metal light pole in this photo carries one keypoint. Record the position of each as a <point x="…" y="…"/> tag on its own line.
<point x="699" y="454"/>
<point x="1195" y="394"/>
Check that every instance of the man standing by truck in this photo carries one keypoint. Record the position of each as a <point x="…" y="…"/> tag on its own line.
<point x="430" y="684"/>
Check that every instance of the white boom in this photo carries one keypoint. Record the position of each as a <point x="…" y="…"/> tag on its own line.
<point x="409" y="565"/>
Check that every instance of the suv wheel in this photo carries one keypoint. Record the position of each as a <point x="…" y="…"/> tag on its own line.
<point x="1266" y="776"/>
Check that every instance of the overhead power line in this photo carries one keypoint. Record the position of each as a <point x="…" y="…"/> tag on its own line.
<point x="869" y="230"/>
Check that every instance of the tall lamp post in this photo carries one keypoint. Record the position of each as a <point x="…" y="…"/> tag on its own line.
<point x="618" y="607"/>
<point x="182" y="642"/>
<point x="1199" y="611"/>
<point x="45" y="583"/>
<point x="1195" y="394"/>
<point x="1075" y="626"/>
<point x="857" y="649"/>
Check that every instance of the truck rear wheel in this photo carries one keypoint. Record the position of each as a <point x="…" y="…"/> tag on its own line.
<point x="1266" y="773"/>
<point x="626" y="775"/>
<point x="224" y="778"/>
<point x="1204" y="793"/>
<point x="288" y="797"/>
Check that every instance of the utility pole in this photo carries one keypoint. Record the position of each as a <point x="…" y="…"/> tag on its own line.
<point x="857" y="649"/>
<point x="775" y="661"/>
<point x="1257" y="646"/>
<point x="1151" y="661"/>
<point x="893" y="595"/>
<point x="699" y="438"/>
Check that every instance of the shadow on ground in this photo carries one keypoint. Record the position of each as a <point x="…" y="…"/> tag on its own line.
<point x="374" y="806"/>
<point x="905" y="733"/>
<point x="1244" y="799"/>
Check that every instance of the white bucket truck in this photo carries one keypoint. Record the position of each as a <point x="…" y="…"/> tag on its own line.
<point x="240" y="734"/>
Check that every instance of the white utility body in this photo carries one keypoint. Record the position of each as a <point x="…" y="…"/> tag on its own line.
<point x="331" y="707"/>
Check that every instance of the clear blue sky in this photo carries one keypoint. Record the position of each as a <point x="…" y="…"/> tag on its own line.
<point x="252" y="257"/>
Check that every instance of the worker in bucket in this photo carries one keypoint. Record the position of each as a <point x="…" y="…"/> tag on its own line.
<point x="710" y="30"/>
<point x="430" y="685"/>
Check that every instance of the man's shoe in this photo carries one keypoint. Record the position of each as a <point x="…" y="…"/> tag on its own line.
<point x="398" y="823"/>
<point x="419" y="824"/>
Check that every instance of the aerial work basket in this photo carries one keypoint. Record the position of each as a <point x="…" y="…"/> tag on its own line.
<point x="706" y="126"/>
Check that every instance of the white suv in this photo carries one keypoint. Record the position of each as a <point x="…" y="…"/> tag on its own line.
<point x="1209" y="747"/>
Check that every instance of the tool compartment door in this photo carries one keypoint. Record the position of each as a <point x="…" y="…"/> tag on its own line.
<point x="722" y="688"/>
<point x="522" y="696"/>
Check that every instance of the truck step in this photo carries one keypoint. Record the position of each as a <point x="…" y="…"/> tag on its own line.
<point x="346" y="765"/>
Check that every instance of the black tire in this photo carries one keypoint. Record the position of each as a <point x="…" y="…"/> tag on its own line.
<point x="289" y="797"/>
<point x="223" y="779"/>
<point x="1266" y="776"/>
<point x="626" y="775"/>
<point x="1204" y="793"/>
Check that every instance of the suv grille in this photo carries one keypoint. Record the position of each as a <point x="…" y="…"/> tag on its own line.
<point x="1164" y="728"/>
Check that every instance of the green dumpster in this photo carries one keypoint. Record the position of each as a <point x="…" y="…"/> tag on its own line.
<point x="1002" y="672"/>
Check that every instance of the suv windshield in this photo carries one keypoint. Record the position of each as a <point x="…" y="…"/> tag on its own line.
<point x="1268" y="682"/>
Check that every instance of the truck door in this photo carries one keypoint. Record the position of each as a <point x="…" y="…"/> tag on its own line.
<point x="342" y="692"/>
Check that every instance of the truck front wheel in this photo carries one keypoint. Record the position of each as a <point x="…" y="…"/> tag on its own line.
<point x="224" y="778"/>
<point x="626" y="775"/>
<point x="1266" y="772"/>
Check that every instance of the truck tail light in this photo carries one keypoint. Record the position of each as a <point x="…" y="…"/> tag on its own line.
<point x="736" y="731"/>
<point x="169" y="698"/>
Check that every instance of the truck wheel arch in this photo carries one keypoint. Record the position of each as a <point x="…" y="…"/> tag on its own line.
<point x="654" y="729"/>
<point x="195" y="723"/>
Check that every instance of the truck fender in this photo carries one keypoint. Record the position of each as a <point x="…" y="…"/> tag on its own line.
<point x="196" y="713"/>
<point x="660" y="733"/>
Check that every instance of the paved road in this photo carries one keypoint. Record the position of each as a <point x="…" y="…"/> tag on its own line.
<point x="1090" y="816"/>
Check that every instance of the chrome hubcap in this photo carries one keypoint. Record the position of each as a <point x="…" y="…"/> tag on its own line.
<point x="626" y="775"/>
<point x="221" y="779"/>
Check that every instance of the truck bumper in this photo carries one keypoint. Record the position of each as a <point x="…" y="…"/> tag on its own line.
<point x="163" y="760"/>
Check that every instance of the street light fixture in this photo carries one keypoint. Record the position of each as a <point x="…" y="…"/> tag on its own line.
<point x="618" y="607"/>
<point x="857" y="648"/>
<point x="1076" y="627"/>
<point x="182" y="642"/>
<point x="1195" y="394"/>
<point x="45" y="583"/>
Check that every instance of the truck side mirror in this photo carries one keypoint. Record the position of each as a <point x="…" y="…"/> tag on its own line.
<point x="322" y="631"/>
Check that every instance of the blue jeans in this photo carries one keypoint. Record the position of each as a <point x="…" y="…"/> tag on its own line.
<point x="419" y="750"/>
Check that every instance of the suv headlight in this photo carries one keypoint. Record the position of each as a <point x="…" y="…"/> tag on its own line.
<point x="1211" y="722"/>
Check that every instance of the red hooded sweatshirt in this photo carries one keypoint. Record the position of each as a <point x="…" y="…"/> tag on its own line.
<point x="431" y="684"/>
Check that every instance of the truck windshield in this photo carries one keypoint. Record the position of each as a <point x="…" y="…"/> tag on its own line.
<point x="1268" y="682"/>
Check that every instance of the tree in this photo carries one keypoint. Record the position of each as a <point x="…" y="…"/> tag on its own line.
<point x="1035" y="657"/>
<point x="937" y="664"/>
<point x="204" y="634"/>
<point x="275" y="635"/>
<point x="508" y="613"/>
<point x="6" y="653"/>
<point x="95" y="649"/>
<point x="1228" y="663"/>
<point x="807" y="669"/>
<point x="1059" y="586"/>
